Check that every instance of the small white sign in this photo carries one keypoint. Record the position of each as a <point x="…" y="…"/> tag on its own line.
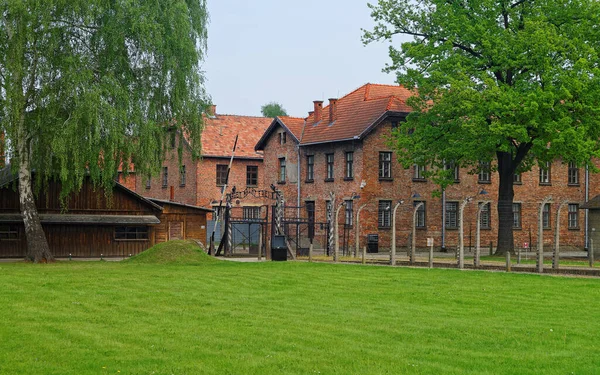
<point x="525" y="245"/>
<point x="429" y="241"/>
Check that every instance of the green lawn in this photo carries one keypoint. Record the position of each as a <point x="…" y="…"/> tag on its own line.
<point x="292" y="318"/>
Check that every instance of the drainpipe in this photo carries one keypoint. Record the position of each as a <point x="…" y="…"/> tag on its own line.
<point x="443" y="220"/>
<point x="298" y="179"/>
<point x="587" y="198"/>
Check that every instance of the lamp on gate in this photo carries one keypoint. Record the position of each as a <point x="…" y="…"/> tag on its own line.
<point x="483" y="192"/>
<point x="416" y="195"/>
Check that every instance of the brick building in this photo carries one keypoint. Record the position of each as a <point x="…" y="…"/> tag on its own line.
<point x="200" y="183"/>
<point x="342" y="148"/>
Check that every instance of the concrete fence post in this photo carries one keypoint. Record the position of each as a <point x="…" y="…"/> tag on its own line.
<point x="540" y="249"/>
<point x="591" y="253"/>
<point x="364" y="255"/>
<point x="508" y="265"/>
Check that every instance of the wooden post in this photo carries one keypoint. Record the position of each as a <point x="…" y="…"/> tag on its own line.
<point x="364" y="255"/>
<point x="310" y="252"/>
<point x="508" y="261"/>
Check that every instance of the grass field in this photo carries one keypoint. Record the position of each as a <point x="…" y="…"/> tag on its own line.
<point x="199" y="316"/>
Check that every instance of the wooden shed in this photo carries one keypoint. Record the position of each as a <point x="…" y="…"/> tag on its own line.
<point x="92" y="225"/>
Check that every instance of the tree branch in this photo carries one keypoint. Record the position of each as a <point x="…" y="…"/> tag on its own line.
<point x="514" y="5"/>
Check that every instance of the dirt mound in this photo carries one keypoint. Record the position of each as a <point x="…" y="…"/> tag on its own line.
<point x="173" y="252"/>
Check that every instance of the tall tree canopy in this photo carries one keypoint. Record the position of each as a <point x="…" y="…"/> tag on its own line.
<point x="273" y="109"/>
<point x="88" y="84"/>
<point x="516" y="81"/>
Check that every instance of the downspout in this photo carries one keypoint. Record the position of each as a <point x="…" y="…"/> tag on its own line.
<point x="587" y="198"/>
<point x="298" y="179"/>
<point x="443" y="220"/>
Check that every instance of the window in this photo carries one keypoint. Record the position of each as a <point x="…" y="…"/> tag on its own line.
<point x="573" y="174"/>
<point x="165" y="180"/>
<point x="517" y="178"/>
<point x="349" y="209"/>
<point x="546" y="216"/>
<point x="131" y="233"/>
<point x="310" y="213"/>
<point x="9" y="232"/>
<point x="484" y="218"/>
<point x="329" y="159"/>
<point x="172" y="139"/>
<point x="484" y="172"/>
<point x="573" y="216"/>
<point x="252" y="175"/>
<point x="420" y="222"/>
<point x="282" y="170"/>
<point x="310" y="168"/>
<point x="385" y="165"/>
<point x="545" y="174"/>
<point x="283" y="138"/>
<point x="221" y="174"/>
<point x="455" y="170"/>
<point x="516" y="209"/>
<point x="451" y="215"/>
<point x="182" y="175"/>
<point x="385" y="214"/>
<point x="148" y="182"/>
<point x="349" y="165"/>
<point x="251" y="212"/>
<point x="418" y="172"/>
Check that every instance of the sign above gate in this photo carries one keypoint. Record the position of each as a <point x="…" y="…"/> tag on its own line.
<point x="252" y="192"/>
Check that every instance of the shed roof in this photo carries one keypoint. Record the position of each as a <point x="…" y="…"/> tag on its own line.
<point x="162" y="202"/>
<point x="592" y="204"/>
<point x="85" y="219"/>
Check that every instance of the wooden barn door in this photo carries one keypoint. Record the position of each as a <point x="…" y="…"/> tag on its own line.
<point x="175" y="230"/>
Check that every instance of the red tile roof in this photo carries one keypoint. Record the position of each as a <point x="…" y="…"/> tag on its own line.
<point x="357" y="112"/>
<point x="219" y="134"/>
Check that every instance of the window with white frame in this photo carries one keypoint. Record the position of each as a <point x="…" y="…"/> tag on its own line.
<point x="385" y="214"/>
<point x="573" y="174"/>
<point x="485" y="175"/>
<point x="516" y="209"/>
<point x="573" y="216"/>
<point x="451" y="215"/>
<point x="385" y="165"/>
<point x="349" y="212"/>
<point x="349" y="165"/>
<point x="420" y="218"/>
<point x="484" y="218"/>
<point x="545" y="174"/>
<point x="418" y="172"/>
<point x="546" y="216"/>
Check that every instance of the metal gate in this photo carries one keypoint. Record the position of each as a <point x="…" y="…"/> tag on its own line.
<point x="248" y="230"/>
<point x="301" y="230"/>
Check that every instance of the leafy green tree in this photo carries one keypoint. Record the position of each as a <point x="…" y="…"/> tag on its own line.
<point x="514" y="82"/>
<point x="86" y="85"/>
<point x="273" y="109"/>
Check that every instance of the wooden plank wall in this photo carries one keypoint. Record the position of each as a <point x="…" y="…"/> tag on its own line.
<point x="79" y="241"/>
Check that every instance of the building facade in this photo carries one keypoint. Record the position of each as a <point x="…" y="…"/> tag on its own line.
<point x="344" y="149"/>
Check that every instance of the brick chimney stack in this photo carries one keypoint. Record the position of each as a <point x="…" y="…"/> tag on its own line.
<point x="332" y="109"/>
<point x="318" y="110"/>
<point x="310" y="113"/>
<point x="212" y="110"/>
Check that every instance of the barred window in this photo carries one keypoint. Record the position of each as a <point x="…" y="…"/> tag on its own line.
<point x="484" y="172"/>
<point x="573" y="216"/>
<point x="182" y="176"/>
<point x="251" y="175"/>
<point x="516" y="209"/>
<point x="420" y="222"/>
<point x="148" y="182"/>
<point x="310" y="168"/>
<point x="131" y="233"/>
<point x="251" y="212"/>
<point x="281" y="169"/>
<point x="545" y="174"/>
<point x="349" y="213"/>
<point x="484" y="218"/>
<point x="452" y="166"/>
<point x="221" y="174"/>
<point x="573" y="174"/>
<point x="546" y="216"/>
<point x="165" y="180"/>
<point x="329" y="160"/>
<point x="451" y="214"/>
<point x="9" y="232"/>
<point x="418" y="172"/>
<point x="349" y="165"/>
<point x="385" y="165"/>
<point x="385" y="214"/>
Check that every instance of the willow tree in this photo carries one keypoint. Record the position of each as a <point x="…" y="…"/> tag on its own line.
<point x="86" y="85"/>
<point x="513" y="82"/>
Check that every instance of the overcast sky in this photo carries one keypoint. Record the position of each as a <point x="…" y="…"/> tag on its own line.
<point x="288" y="51"/>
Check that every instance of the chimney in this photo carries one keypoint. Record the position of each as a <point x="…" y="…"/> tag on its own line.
<point x="172" y="195"/>
<point x="310" y="113"/>
<point x="332" y="110"/>
<point x="213" y="110"/>
<point x="318" y="110"/>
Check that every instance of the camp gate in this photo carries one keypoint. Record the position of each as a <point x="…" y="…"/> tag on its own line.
<point x="250" y="224"/>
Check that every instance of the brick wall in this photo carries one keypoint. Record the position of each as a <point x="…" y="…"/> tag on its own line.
<point x="402" y="186"/>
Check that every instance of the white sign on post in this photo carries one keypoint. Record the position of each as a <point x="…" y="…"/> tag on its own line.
<point x="429" y="241"/>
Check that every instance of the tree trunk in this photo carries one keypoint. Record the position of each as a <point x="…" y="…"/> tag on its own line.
<point x="506" y="195"/>
<point x="37" y="245"/>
